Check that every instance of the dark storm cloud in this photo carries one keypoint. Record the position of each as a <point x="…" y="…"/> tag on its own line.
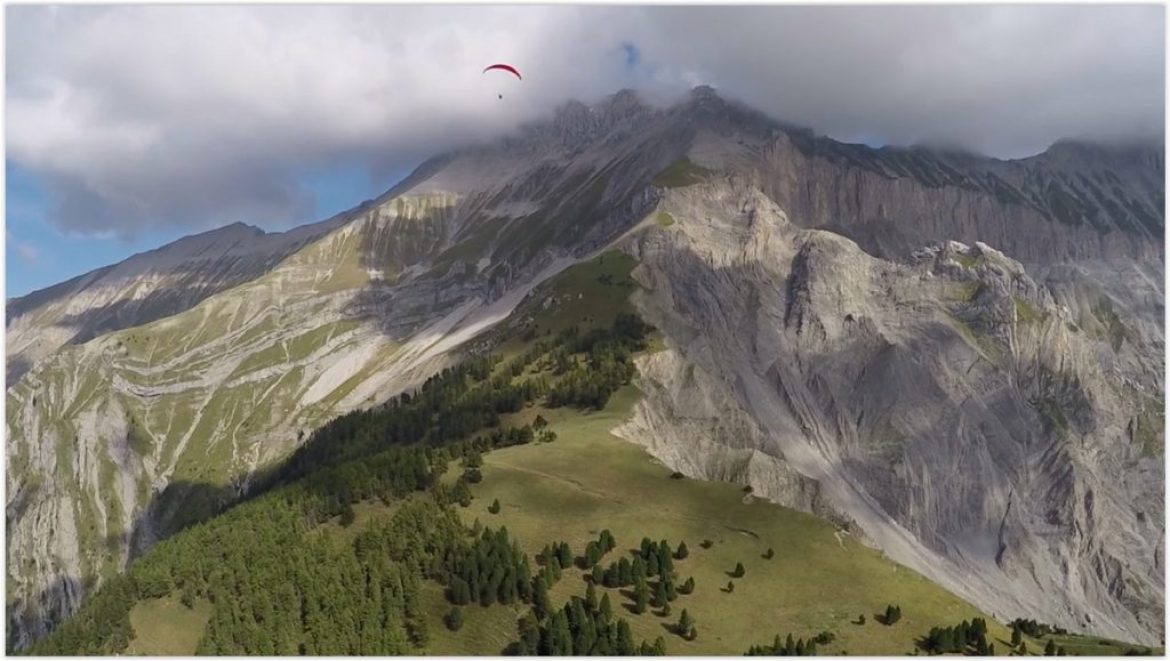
<point x="196" y="116"/>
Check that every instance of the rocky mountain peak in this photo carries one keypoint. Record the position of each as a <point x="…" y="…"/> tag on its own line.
<point x="705" y="92"/>
<point x="575" y="124"/>
<point x="624" y="106"/>
<point x="1080" y="154"/>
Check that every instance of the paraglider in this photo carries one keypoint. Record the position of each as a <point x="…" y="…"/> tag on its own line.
<point x="503" y="67"/>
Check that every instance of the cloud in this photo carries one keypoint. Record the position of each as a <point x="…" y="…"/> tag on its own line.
<point x="28" y="252"/>
<point x="1005" y="80"/>
<point x="192" y="116"/>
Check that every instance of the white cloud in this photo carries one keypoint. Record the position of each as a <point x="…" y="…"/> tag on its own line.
<point x="199" y="115"/>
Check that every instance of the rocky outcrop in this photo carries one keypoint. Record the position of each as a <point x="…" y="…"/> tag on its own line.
<point x="947" y="406"/>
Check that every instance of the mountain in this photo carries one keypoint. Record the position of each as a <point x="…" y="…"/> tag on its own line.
<point x="145" y="287"/>
<point x="958" y="358"/>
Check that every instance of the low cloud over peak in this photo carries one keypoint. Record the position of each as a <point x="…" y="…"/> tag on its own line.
<point x="193" y="116"/>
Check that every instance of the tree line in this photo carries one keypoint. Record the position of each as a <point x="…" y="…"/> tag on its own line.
<point x="278" y="587"/>
<point x="961" y="638"/>
<point x="789" y="647"/>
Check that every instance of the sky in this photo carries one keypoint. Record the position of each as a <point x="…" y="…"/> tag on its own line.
<point x="130" y="126"/>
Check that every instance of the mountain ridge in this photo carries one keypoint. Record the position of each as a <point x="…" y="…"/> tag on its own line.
<point x="574" y="112"/>
<point x="391" y="291"/>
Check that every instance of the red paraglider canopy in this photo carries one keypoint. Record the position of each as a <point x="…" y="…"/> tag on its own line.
<point x="504" y="67"/>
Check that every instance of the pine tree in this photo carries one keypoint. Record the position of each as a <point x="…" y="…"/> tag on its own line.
<point x="454" y="619"/>
<point x="612" y="577"/>
<point x="684" y="623"/>
<point x="597" y="576"/>
<point x="769" y="554"/>
<point x="461" y="493"/>
<point x="659" y="595"/>
<point x="682" y="551"/>
<point x="638" y="569"/>
<point x="565" y="555"/>
<point x="687" y="587"/>
<point x="948" y="638"/>
<point x="738" y="573"/>
<point x="1016" y="638"/>
<point x="494" y="508"/>
<point x="347" y="515"/>
<point x="562" y="637"/>
<point x="605" y="608"/>
<point x="625" y="639"/>
<point x="641" y="596"/>
<point x="730" y="586"/>
<point x="529" y="636"/>
<point x="577" y="618"/>
<point x="1050" y="648"/>
<point x="540" y="601"/>
<point x="789" y="646"/>
<point x="625" y="572"/>
<point x="592" y="554"/>
<point x="671" y="591"/>
<point x="1023" y="648"/>
<point x="460" y="591"/>
<point x="665" y="558"/>
<point x="590" y="598"/>
<point x="187" y="598"/>
<point x="607" y="541"/>
<point x="652" y="563"/>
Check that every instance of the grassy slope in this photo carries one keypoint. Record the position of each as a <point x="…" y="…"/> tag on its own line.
<point x="680" y="174"/>
<point x="589" y="479"/>
<point x="165" y="627"/>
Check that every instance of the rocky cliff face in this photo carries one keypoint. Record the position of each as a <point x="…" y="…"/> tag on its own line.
<point x="828" y="345"/>
<point x="1073" y="202"/>
<point x="947" y="407"/>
